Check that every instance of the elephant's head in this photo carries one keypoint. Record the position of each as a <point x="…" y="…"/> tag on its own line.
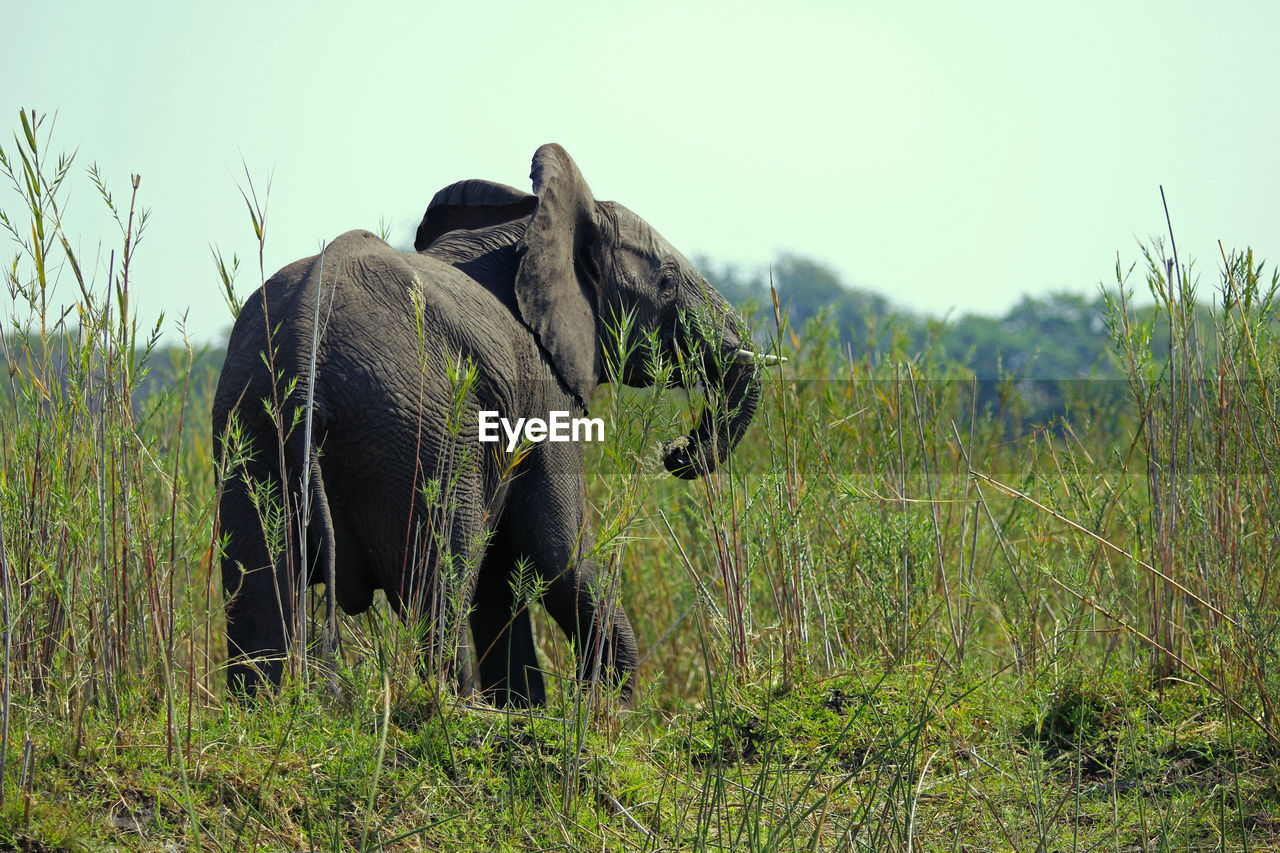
<point x="604" y="293"/>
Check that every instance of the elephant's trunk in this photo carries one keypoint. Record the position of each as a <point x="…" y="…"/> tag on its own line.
<point x="732" y="403"/>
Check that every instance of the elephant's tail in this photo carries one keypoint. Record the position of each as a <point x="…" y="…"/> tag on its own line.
<point x="328" y="560"/>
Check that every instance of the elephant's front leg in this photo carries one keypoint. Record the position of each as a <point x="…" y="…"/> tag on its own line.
<point x="586" y="607"/>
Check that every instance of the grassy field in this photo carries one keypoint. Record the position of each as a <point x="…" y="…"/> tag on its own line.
<point x="904" y="618"/>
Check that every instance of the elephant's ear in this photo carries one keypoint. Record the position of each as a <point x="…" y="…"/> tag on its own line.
<point x="558" y="282"/>
<point x="470" y="205"/>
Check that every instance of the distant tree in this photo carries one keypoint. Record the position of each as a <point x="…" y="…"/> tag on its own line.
<point x="1043" y="342"/>
<point x="737" y="286"/>
<point x="807" y="288"/>
<point x="1060" y="336"/>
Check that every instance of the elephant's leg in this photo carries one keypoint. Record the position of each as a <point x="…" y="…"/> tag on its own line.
<point x="434" y="582"/>
<point x="259" y="595"/>
<point x="503" y="632"/>
<point x="594" y="618"/>
<point x="433" y="598"/>
<point x="548" y="524"/>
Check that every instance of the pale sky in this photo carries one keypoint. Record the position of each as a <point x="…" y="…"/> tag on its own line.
<point x="949" y="156"/>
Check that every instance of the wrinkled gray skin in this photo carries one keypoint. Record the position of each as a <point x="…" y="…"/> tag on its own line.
<point x="524" y="287"/>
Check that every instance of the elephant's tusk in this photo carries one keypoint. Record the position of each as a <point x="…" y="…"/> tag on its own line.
<point x="745" y="356"/>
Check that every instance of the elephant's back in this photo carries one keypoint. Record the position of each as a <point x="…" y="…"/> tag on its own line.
<point x="259" y="337"/>
<point x="405" y="313"/>
<point x="413" y="350"/>
<point x="397" y="331"/>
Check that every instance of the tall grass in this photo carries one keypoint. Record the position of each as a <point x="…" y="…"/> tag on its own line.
<point x="105" y="525"/>
<point x="105" y="547"/>
<point x="904" y="616"/>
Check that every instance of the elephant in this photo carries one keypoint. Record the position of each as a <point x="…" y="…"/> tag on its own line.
<point x="341" y="383"/>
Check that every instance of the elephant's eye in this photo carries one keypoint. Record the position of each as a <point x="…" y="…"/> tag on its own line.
<point x="666" y="284"/>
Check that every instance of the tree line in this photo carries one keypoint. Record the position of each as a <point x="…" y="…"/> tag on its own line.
<point x="1059" y="336"/>
<point x="1048" y="347"/>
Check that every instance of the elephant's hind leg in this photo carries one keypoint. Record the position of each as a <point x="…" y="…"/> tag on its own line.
<point x="503" y="633"/>
<point x="259" y="595"/>
<point x="432" y="577"/>
<point x="547" y="522"/>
